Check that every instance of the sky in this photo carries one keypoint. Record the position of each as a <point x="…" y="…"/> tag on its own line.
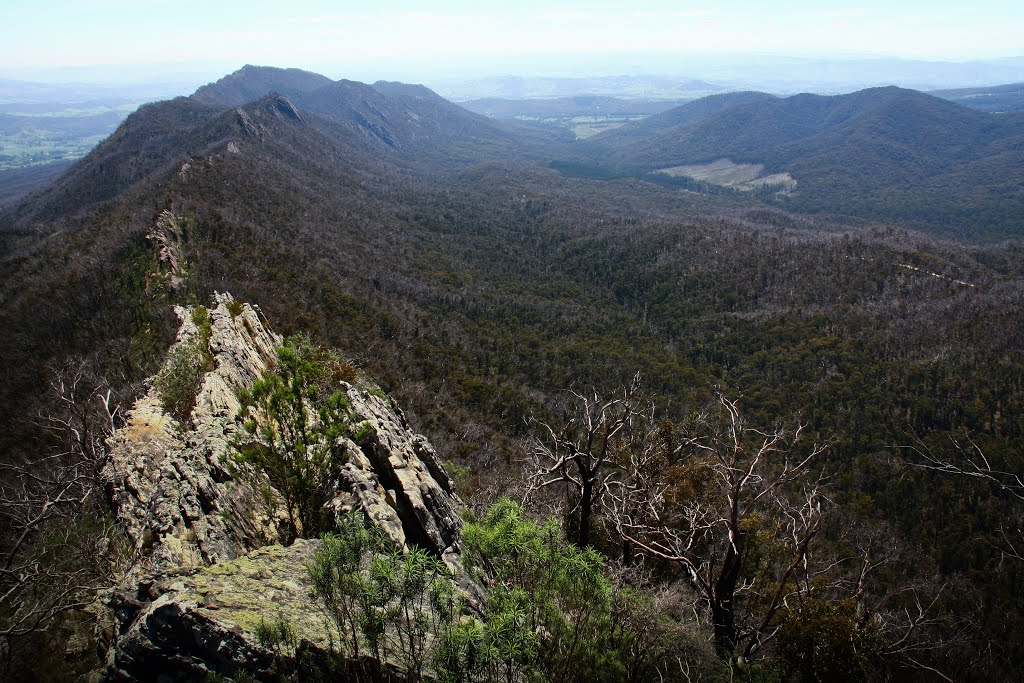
<point x="405" y="39"/>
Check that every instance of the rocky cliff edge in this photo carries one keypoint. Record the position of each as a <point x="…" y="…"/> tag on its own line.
<point x="209" y="560"/>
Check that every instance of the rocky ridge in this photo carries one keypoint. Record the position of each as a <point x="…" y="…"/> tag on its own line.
<point x="210" y="562"/>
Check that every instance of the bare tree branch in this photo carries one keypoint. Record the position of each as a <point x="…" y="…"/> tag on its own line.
<point x="700" y="513"/>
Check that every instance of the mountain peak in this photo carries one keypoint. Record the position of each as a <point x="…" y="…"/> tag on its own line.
<point x="252" y="82"/>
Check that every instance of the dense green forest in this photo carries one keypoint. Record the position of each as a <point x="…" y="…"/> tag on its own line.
<point x="478" y="290"/>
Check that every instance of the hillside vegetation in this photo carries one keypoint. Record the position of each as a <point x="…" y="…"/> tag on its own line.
<point x="439" y="251"/>
<point x="997" y="99"/>
<point x="883" y="153"/>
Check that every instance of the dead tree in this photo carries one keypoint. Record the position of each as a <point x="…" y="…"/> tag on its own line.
<point x="46" y="564"/>
<point x="588" y="451"/>
<point x="738" y="513"/>
<point x="967" y="459"/>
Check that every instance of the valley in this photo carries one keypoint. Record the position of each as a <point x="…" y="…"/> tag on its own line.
<point x="451" y="257"/>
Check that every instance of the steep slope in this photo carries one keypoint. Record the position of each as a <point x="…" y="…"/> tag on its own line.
<point x="346" y="127"/>
<point x="159" y="141"/>
<point x="173" y="491"/>
<point x="403" y="122"/>
<point x="149" y="139"/>
<point x="887" y="153"/>
<point x="16" y="183"/>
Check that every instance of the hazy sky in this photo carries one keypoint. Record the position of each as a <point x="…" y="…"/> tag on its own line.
<point x="344" y="37"/>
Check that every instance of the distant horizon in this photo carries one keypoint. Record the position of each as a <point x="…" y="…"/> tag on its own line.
<point x="681" y="65"/>
<point x="458" y="39"/>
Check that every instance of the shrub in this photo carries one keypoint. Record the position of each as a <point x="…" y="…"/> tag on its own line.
<point x="379" y="599"/>
<point x="235" y="308"/>
<point x="180" y="381"/>
<point x="293" y="431"/>
<point x="552" y="612"/>
<point x="277" y="635"/>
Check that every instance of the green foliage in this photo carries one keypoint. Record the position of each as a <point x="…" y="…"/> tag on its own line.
<point x="294" y="427"/>
<point x="378" y="599"/>
<point x="824" y="641"/>
<point x="179" y="382"/>
<point x="460" y="474"/>
<point x="552" y="613"/>
<point x="337" y="580"/>
<point x="278" y="635"/>
<point x="235" y="308"/>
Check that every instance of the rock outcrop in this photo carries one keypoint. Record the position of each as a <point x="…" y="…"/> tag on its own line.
<point x="185" y="627"/>
<point x="396" y="478"/>
<point x="169" y="483"/>
<point x="211" y="560"/>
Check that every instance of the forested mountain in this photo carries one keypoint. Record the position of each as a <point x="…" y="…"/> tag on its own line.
<point x="440" y="252"/>
<point x="884" y="153"/>
<point x="665" y="127"/>
<point x="152" y="137"/>
<point x="253" y="82"/>
<point x="385" y="125"/>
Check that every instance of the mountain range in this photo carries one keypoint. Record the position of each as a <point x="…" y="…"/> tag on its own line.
<point x="445" y="256"/>
<point x="883" y="153"/>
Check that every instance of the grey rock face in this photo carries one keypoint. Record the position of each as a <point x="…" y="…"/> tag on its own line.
<point x="397" y="479"/>
<point x="172" y="490"/>
<point x="169" y="482"/>
<point x="203" y="623"/>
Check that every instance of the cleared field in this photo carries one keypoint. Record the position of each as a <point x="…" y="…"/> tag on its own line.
<point x="726" y="173"/>
<point x="586" y="130"/>
<point x="584" y="126"/>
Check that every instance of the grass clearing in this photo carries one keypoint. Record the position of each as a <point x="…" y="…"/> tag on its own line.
<point x="744" y="177"/>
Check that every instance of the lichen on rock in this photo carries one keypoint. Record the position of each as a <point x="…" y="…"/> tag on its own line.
<point x="169" y="482"/>
<point x="204" y="622"/>
<point x="211" y="567"/>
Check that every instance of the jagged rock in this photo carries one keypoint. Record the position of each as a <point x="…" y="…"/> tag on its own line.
<point x="168" y="234"/>
<point x="172" y="490"/>
<point x="169" y="483"/>
<point x="203" y="623"/>
<point x="285" y="106"/>
<point x="421" y="507"/>
<point x="246" y="123"/>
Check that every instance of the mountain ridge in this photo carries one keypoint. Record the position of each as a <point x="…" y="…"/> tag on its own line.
<point x="252" y="82"/>
<point x="477" y="296"/>
<point x="881" y="153"/>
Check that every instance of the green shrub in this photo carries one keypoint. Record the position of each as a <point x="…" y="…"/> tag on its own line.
<point x="293" y="431"/>
<point x="378" y="599"/>
<point x="277" y="635"/>
<point x="179" y="383"/>
<point x="235" y="308"/>
<point x="552" y="612"/>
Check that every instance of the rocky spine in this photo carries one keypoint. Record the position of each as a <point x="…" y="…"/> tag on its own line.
<point x="209" y="560"/>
